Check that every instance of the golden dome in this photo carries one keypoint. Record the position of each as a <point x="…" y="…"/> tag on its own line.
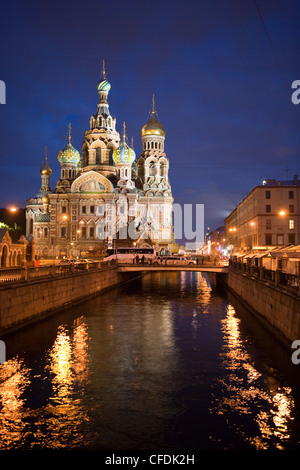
<point x="45" y="199"/>
<point x="153" y="127"/>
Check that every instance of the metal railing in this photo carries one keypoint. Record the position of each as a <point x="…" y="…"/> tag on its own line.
<point x="278" y="278"/>
<point x="24" y="274"/>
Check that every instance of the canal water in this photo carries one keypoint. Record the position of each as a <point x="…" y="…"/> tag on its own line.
<point x="160" y="363"/>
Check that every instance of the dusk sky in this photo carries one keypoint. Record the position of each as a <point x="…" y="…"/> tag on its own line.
<point x="221" y="72"/>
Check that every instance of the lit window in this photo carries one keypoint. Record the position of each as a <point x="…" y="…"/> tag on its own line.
<point x="291" y="224"/>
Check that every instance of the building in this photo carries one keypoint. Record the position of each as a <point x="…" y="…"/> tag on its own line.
<point x="105" y="195"/>
<point x="268" y="216"/>
<point x="215" y="243"/>
<point x="12" y="253"/>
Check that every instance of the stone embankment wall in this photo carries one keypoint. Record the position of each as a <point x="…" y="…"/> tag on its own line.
<point x="276" y="306"/>
<point x="24" y="302"/>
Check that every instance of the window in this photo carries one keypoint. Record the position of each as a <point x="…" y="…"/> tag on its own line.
<point x="92" y="209"/>
<point x="83" y="209"/>
<point x="291" y="208"/>
<point x="280" y="239"/>
<point x="64" y="210"/>
<point x="83" y="232"/>
<point x="268" y="194"/>
<point x="291" y="194"/>
<point x="91" y="232"/>
<point x="268" y="239"/>
<point x="98" y="155"/>
<point x="268" y="208"/>
<point x="63" y="232"/>
<point x="292" y="238"/>
<point x="268" y="223"/>
<point x="101" y="233"/>
<point x="291" y="224"/>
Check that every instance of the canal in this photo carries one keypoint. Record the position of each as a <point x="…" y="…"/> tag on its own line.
<point x="159" y="363"/>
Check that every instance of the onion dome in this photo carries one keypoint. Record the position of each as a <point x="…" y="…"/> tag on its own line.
<point x="124" y="153"/>
<point x="69" y="154"/>
<point x="45" y="169"/>
<point x="153" y="127"/>
<point x="45" y="199"/>
<point x="103" y="84"/>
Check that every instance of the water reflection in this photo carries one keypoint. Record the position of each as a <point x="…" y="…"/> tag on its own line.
<point x="66" y="371"/>
<point x="245" y="391"/>
<point x="166" y="363"/>
<point x="14" y="378"/>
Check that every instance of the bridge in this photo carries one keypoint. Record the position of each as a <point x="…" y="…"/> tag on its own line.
<point x="212" y="268"/>
<point x="25" y="274"/>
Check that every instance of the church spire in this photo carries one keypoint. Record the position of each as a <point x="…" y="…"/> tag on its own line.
<point x="124" y="132"/>
<point x="103" y="70"/>
<point x="153" y="105"/>
<point x="45" y="173"/>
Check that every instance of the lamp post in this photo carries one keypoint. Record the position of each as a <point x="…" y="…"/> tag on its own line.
<point x="65" y="218"/>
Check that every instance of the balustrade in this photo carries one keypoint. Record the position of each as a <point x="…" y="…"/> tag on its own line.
<point x="278" y="278"/>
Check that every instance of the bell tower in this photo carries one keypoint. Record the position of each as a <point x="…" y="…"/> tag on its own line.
<point x="101" y="139"/>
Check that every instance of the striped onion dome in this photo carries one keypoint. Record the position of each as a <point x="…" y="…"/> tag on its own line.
<point x="69" y="154"/>
<point x="124" y="153"/>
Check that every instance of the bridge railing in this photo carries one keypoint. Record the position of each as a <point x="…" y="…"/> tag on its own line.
<point x="23" y="274"/>
<point x="278" y="278"/>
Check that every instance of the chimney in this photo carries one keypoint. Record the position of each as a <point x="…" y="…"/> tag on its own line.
<point x="295" y="179"/>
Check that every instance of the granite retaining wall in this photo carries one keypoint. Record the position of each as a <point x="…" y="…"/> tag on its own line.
<point x="28" y="301"/>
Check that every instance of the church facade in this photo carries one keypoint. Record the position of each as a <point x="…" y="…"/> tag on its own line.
<point x="106" y="196"/>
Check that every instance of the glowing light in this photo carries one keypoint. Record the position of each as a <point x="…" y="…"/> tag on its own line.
<point x="282" y="213"/>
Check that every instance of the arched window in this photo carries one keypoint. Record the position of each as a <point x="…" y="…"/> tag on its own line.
<point x="98" y="155"/>
<point x="152" y="169"/>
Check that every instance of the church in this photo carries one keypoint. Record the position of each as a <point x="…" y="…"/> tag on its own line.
<point x="106" y="197"/>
